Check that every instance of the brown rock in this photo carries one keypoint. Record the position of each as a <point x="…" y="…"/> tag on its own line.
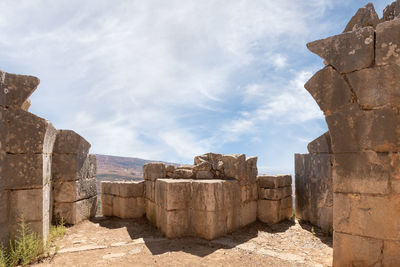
<point x="367" y="172"/>
<point x="70" y="167"/>
<point x="172" y="194"/>
<point x="71" y="191"/>
<point x="70" y="142"/>
<point x="150" y="190"/>
<point x="211" y="158"/>
<point x="391" y="253"/>
<point x="350" y="250"/>
<point x="28" y="133"/>
<point x="204" y="175"/>
<point x="391" y="11"/>
<point x="106" y="203"/>
<point x="376" y="87"/>
<point x="183" y="173"/>
<point x="15" y="89"/>
<point x="75" y="212"/>
<point x="348" y="51"/>
<point x="275" y="194"/>
<point x="26" y="105"/>
<point x="175" y="223"/>
<point x="365" y="16"/>
<point x="274" y="181"/>
<point x="209" y="224"/>
<point x="128" y="207"/>
<point x="387" y="49"/>
<point x="303" y="186"/>
<point x="208" y="195"/>
<point x="322" y="144"/>
<point x="123" y="188"/>
<point x="153" y="171"/>
<point x="352" y="211"/>
<point x="330" y="90"/>
<point x="274" y="211"/>
<point x="248" y="213"/>
<point x="235" y="166"/>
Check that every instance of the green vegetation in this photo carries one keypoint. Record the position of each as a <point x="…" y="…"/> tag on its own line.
<point x="28" y="247"/>
<point x="293" y="215"/>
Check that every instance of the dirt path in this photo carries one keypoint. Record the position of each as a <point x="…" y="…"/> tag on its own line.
<point x="116" y="242"/>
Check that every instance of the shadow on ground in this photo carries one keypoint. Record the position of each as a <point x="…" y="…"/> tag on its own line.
<point x="158" y="244"/>
<point x="325" y="238"/>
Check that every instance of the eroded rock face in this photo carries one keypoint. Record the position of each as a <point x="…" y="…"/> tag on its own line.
<point x="365" y="137"/>
<point x="365" y="16"/>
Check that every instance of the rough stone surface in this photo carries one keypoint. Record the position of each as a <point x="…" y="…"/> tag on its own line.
<point x="365" y="16"/>
<point x="15" y="89"/>
<point x="320" y="145"/>
<point x="350" y="250"/>
<point x="153" y="171"/>
<point x="69" y="142"/>
<point x="376" y="87"/>
<point x="391" y="11"/>
<point x="75" y="212"/>
<point x="348" y="51"/>
<point x="387" y="43"/>
<point x="330" y="90"/>
<point x="275" y="194"/>
<point x="123" y="188"/>
<point x="272" y="182"/>
<point x="71" y="191"/>
<point x="274" y="211"/>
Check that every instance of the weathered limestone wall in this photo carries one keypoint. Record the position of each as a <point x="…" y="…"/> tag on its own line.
<point x="275" y="201"/>
<point x="74" y="174"/>
<point x="123" y="199"/>
<point x="26" y="146"/>
<point x="358" y="93"/>
<point x="314" y="200"/>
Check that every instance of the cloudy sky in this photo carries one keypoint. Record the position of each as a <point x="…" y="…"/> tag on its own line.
<point x="168" y="80"/>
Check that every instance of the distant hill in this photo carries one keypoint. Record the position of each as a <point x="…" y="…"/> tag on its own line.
<point x="113" y="168"/>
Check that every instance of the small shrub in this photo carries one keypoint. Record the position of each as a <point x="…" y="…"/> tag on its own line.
<point x="293" y="215"/>
<point x="3" y="257"/>
<point x="57" y="231"/>
<point x="26" y="248"/>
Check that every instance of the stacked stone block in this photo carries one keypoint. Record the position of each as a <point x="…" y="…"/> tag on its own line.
<point x="152" y="172"/>
<point x="26" y="146"/>
<point x="275" y="202"/>
<point x="123" y="199"/>
<point x="358" y="93"/>
<point x="74" y="174"/>
<point x="314" y="200"/>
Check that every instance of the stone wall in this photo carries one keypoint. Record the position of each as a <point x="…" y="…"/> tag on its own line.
<point x="123" y="199"/>
<point x="314" y="201"/>
<point x="74" y="176"/>
<point x="26" y="146"/>
<point x="358" y="93"/>
<point x="26" y="160"/>
<point x="275" y="201"/>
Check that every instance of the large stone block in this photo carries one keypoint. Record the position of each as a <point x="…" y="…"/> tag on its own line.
<point x="69" y="142"/>
<point x="150" y="190"/>
<point x="365" y="16"/>
<point x="391" y="253"/>
<point x="367" y="215"/>
<point x="106" y="203"/>
<point x="209" y="224"/>
<point x="183" y="173"/>
<point x="28" y="133"/>
<point x="75" y="212"/>
<point x="322" y="144"/>
<point x="151" y="212"/>
<point x="175" y="223"/>
<point x="348" y="51"/>
<point x="330" y="90"/>
<point x="123" y="188"/>
<point x="211" y="158"/>
<point x="274" y="194"/>
<point x="208" y="195"/>
<point x="387" y="43"/>
<point x="70" y="167"/>
<point x="391" y="11"/>
<point x="350" y="250"/>
<point x="303" y="185"/>
<point x="367" y="172"/>
<point x="355" y="130"/>
<point x="15" y="89"/>
<point x="376" y="87"/>
<point x="153" y="171"/>
<point x="128" y="207"/>
<point x="248" y="213"/>
<point x="173" y="194"/>
<point x="249" y="192"/>
<point x="33" y="206"/>
<point x="26" y="171"/>
<point x="274" y="211"/>
<point x="71" y="191"/>
<point x="274" y="181"/>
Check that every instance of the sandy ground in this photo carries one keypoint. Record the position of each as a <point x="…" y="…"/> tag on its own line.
<point x="116" y="242"/>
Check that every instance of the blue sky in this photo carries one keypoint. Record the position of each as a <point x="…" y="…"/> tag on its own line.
<point x="168" y="80"/>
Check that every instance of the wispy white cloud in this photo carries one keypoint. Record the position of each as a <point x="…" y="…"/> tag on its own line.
<point x="128" y="74"/>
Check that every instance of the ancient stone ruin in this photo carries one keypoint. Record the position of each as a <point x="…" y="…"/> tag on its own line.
<point x="358" y="91"/>
<point x="31" y="152"/>
<point x="215" y="196"/>
<point x="313" y="179"/>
